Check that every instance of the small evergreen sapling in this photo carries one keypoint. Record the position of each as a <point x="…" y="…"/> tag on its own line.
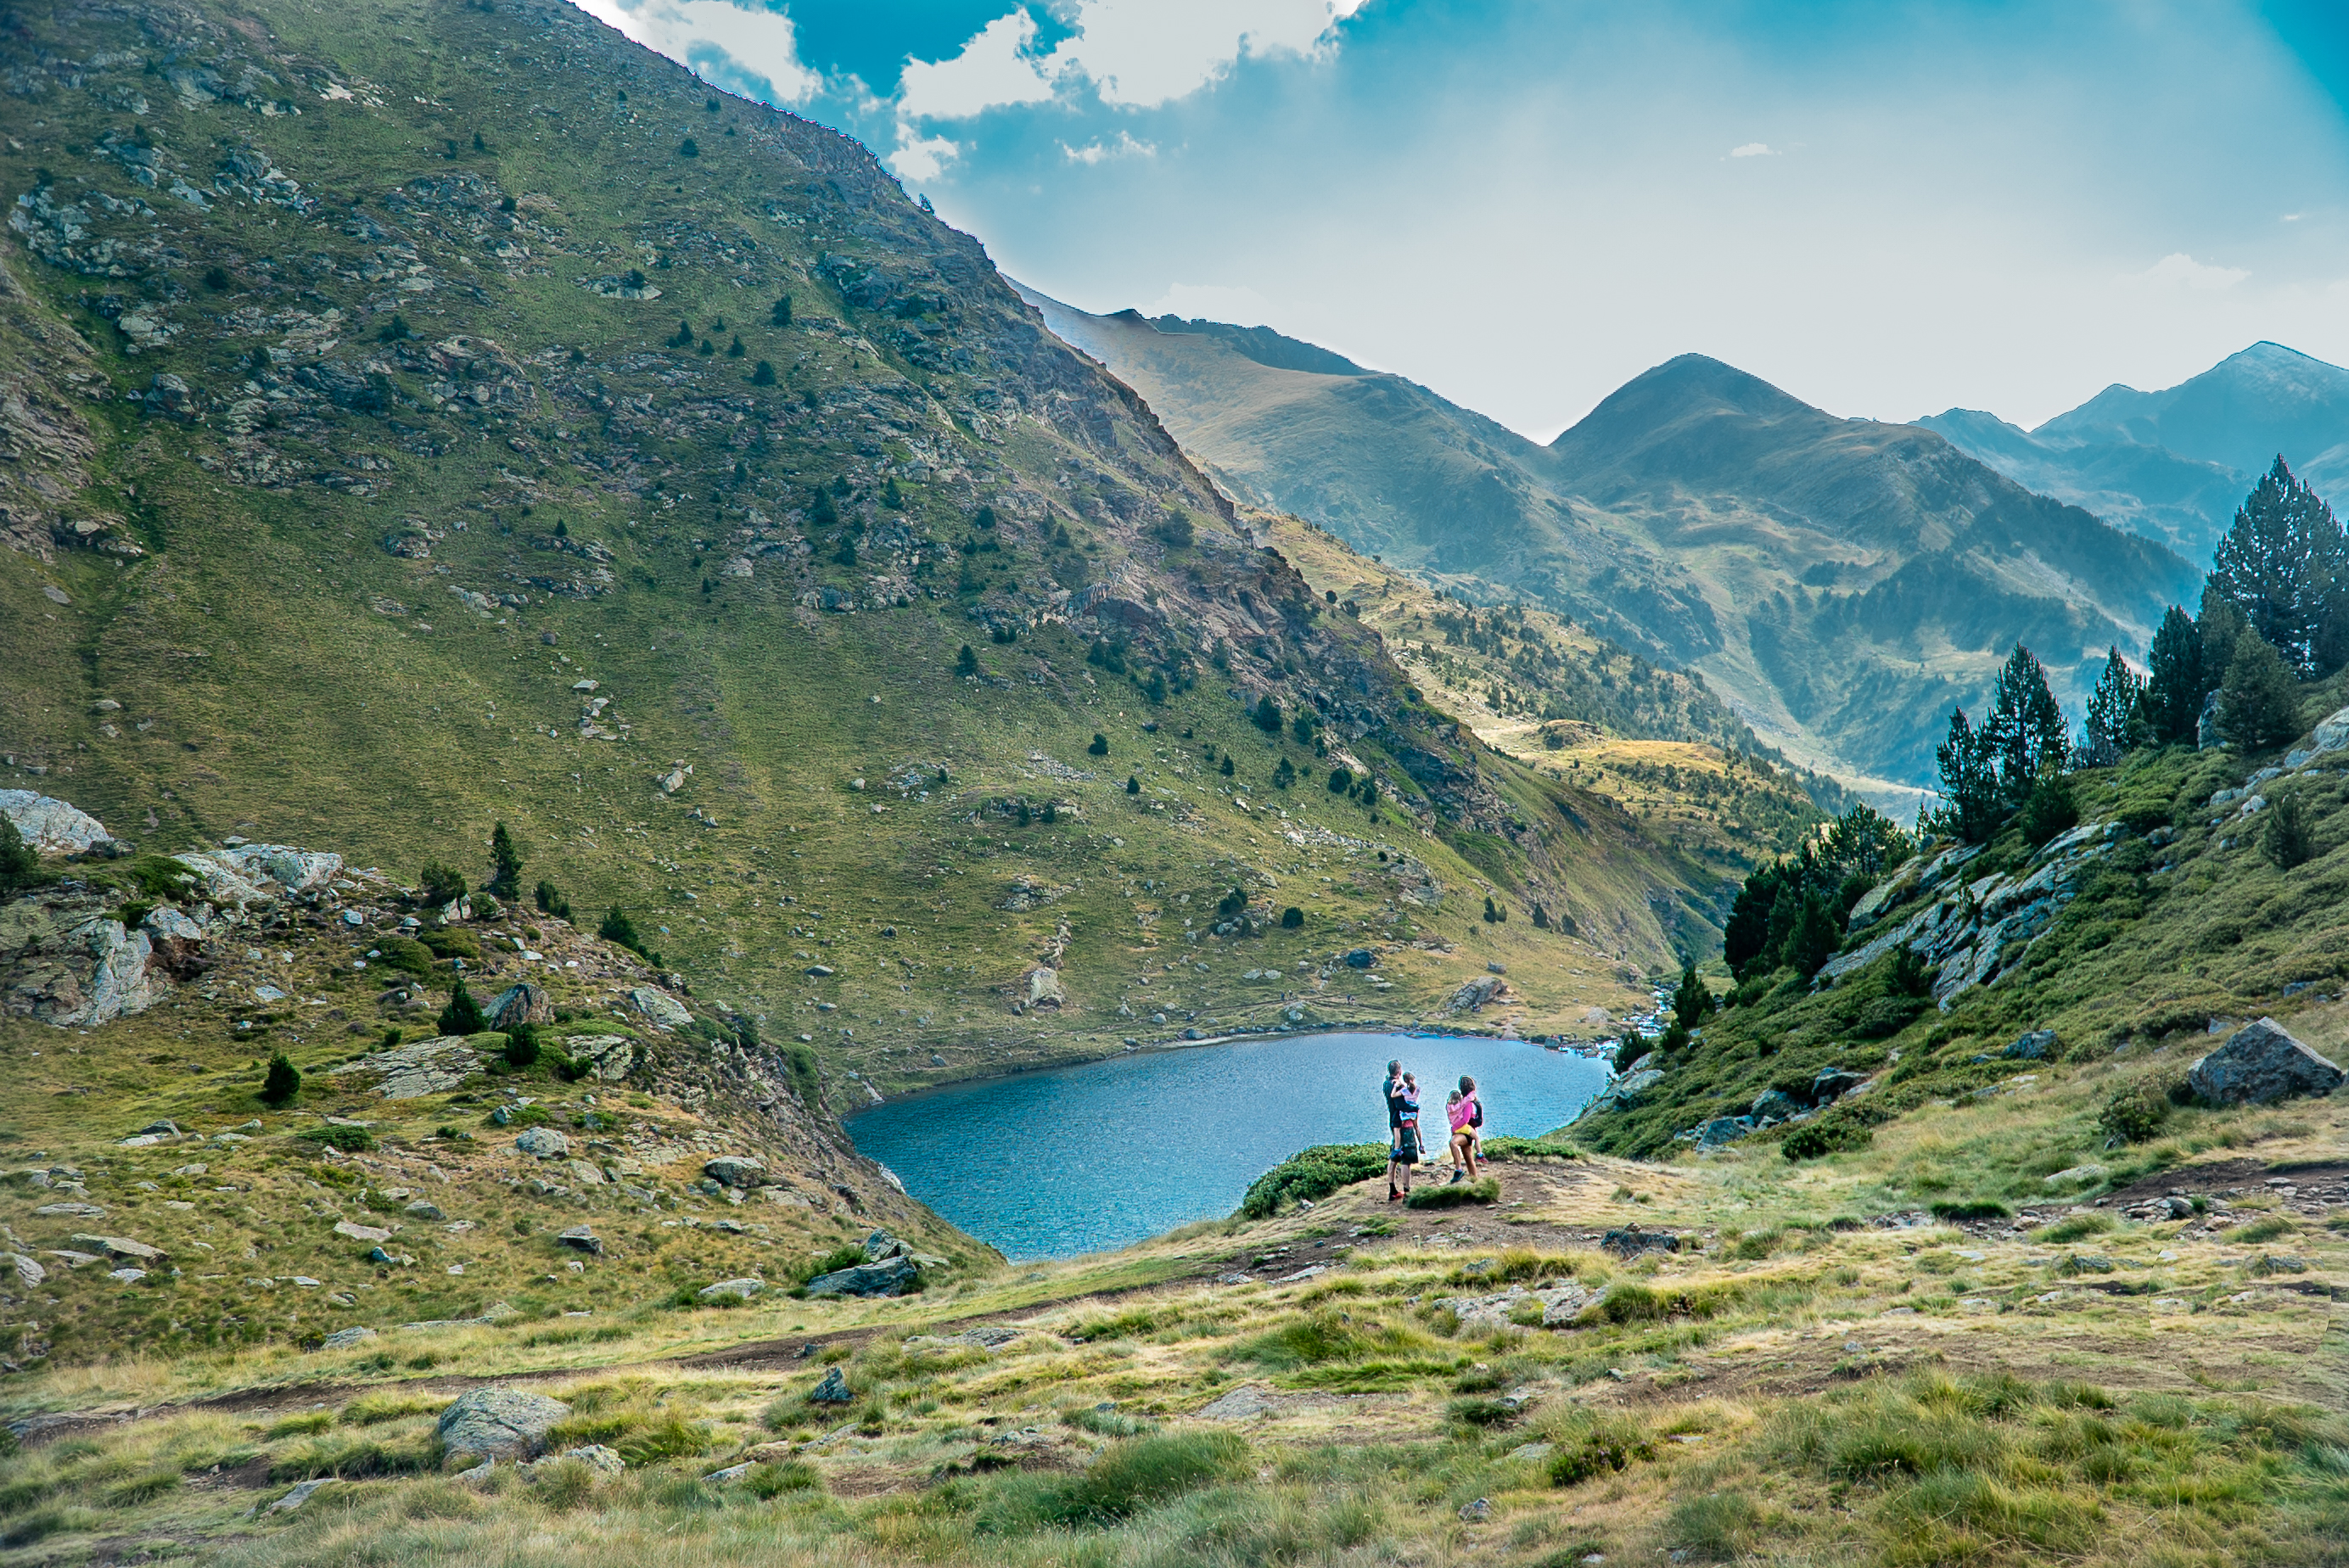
<point x="2286" y="839"/>
<point x="20" y="868"/>
<point x="506" y="880"/>
<point x="282" y="1083"/>
<point x="462" y="1016"/>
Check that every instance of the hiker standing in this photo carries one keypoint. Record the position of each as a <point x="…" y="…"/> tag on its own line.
<point x="1393" y="1090"/>
<point x="1466" y="1113"/>
<point x="1405" y="1152"/>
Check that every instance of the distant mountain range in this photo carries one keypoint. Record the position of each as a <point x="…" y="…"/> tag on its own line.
<point x="1840" y="583"/>
<point x="2173" y="465"/>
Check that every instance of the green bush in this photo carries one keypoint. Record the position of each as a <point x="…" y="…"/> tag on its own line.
<point x="441" y="883"/>
<point x="1313" y="1173"/>
<point x="2132" y="1113"/>
<point x="1454" y="1195"/>
<point x="452" y="942"/>
<point x="773" y="1479"/>
<point x="20" y="868"/>
<point x="2077" y="1228"/>
<point x="462" y="1016"/>
<point x="1830" y="1134"/>
<point x="406" y="954"/>
<point x="1972" y="1211"/>
<point x="339" y="1135"/>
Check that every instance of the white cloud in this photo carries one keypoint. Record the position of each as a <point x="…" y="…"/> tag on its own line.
<point x="1138" y="54"/>
<point x="996" y="67"/>
<point x="922" y="159"/>
<point x="1753" y="149"/>
<point x="2292" y="217"/>
<point x="2179" y="270"/>
<point x="727" y="43"/>
<point x="1212" y="301"/>
<point x="1123" y="147"/>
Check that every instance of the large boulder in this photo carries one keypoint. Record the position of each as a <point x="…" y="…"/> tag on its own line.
<point x="610" y="1057"/>
<point x="890" y="1276"/>
<point x="1044" y="987"/>
<point x="542" y="1143"/>
<point x="499" y="1423"/>
<point x="735" y="1170"/>
<point x="2037" y="1045"/>
<point x="517" y="1005"/>
<point x="1476" y="993"/>
<point x="659" y="1007"/>
<point x="50" y="826"/>
<point x="420" y="1067"/>
<point x="2258" y="1064"/>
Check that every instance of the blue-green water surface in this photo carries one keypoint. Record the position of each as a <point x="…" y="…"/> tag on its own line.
<point x="1085" y="1159"/>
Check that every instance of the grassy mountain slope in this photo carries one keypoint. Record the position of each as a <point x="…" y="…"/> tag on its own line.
<point x="2174" y="464"/>
<point x="386" y="469"/>
<point x="1838" y="582"/>
<point x="1817" y="1370"/>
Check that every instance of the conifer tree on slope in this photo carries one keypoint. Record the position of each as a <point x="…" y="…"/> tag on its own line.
<point x="2175" y="689"/>
<point x="2026" y="726"/>
<point x="2281" y="564"/>
<point x="2113" y="707"/>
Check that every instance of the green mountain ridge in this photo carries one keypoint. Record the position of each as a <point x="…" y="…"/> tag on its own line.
<point x="411" y="434"/>
<point x="1838" y="582"/>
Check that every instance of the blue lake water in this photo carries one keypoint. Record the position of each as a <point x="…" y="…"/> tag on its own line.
<point x="1085" y="1159"/>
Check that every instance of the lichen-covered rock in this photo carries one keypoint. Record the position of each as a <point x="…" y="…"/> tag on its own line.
<point x="611" y="1057"/>
<point x="2261" y="1063"/>
<point x="51" y="826"/>
<point x="70" y="962"/>
<point x="1476" y="993"/>
<point x="420" y="1067"/>
<point x="260" y="873"/>
<point x="660" y="1007"/>
<point x="2037" y="1045"/>
<point x="499" y="1422"/>
<point x="735" y="1170"/>
<point x="542" y="1143"/>
<point x="832" y="1390"/>
<point x="1044" y="988"/>
<point x="734" y="1289"/>
<point x="892" y="1276"/>
<point x="517" y="1005"/>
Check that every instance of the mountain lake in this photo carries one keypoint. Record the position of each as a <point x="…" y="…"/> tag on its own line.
<point x="1085" y="1159"/>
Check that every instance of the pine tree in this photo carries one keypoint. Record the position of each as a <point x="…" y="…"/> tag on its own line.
<point x="2257" y="706"/>
<point x="2286" y="839"/>
<point x="966" y="661"/>
<point x="462" y="1016"/>
<point x="1968" y="761"/>
<point x="2174" y="689"/>
<point x="2279" y="564"/>
<point x="2026" y="726"/>
<point x="2111" y="707"/>
<point x="1813" y="939"/>
<point x="507" y="860"/>
<point x="283" y="1083"/>
<point x="19" y="866"/>
<point x="1691" y="1001"/>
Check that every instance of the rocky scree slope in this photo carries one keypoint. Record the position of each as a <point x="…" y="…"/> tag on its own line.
<point x="153" y="1195"/>
<point x="388" y="469"/>
<point x="1838" y="582"/>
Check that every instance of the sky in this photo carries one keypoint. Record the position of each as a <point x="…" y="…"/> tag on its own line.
<point x="1887" y="207"/>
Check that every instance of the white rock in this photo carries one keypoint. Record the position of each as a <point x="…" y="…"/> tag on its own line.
<point x="51" y="826"/>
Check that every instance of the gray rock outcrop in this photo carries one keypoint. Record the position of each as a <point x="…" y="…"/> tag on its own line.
<point x="736" y="1289"/>
<point x="2261" y="1063"/>
<point x="659" y="1007"/>
<point x="50" y="826"/>
<point x="542" y="1143"/>
<point x="517" y="1005"/>
<point x="2037" y="1045"/>
<point x="832" y="1390"/>
<point x="1476" y="993"/>
<point x="423" y="1067"/>
<point x="892" y="1276"/>
<point x="499" y="1423"/>
<point x="735" y="1170"/>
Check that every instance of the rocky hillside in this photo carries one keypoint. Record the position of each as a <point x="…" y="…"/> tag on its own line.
<point x="1838" y="583"/>
<point x="432" y="417"/>
<point x="642" y="1143"/>
<point x="2158" y="927"/>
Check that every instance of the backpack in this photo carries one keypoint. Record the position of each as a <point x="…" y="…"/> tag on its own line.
<point x="1476" y="1117"/>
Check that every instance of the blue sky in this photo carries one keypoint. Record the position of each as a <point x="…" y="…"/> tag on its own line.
<point x="1889" y="209"/>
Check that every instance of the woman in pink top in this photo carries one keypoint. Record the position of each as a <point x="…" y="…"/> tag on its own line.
<point x="1465" y="1115"/>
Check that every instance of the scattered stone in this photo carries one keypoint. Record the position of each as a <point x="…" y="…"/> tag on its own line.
<point x="302" y="1492"/>
<point x="1532" y="1453"/>
<point x="738" y="1289"/>
<point x="881" y="1246"/>
<point x="122" y="1247"/>
<point x="2078" y="1175"/>
<point x="1244" y="1404"/>
<point x="2038" y="1046"/>
<point x="1723" y="1129"/>
<point x="126" y="1275"/>
<point x="893" y="1277"/>
<point x="542" y="1142"/>
<point x="583" y="1238"/>
<point x="70" y="1211"/>
<point x="1630" y="1241"/>
<point x="499" y="1422"/>
<point x="361" y="1233"/>
<point x="832" y="1390"/>
<point x="1044" y="988"/>
<point x="596" y="1456"/>
<point x="28" y="1273"/>
<point x="660" y="1007"/>
<point x="730" y="1473"/>
<point x="2261" y="1063"/>
<point x="519" y="1005"/>
<point x="735" y="1170"/>
<point x="1476" y="1513"/>
<point x="424" y="1209"/>
<point x="345" y="1339"/>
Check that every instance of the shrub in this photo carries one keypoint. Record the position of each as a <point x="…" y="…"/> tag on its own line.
<point x="1174" y="531"/>
<point x="1975" y="1211"/>
<point x="339" y="1136"/>
<point x="2287" y="840"/>
<point x="1312" y="1173"/>
<point x="2132" y="1113"/>
<point x="1482" y="1412"/>
<point x="2050" y="810"/>
<point x="1099" y="746"/>
<point x="1454" y="1195"/>
<point x="282" y="1083"/>
<point x="762" y="373"/>
<point x="563" y="1485"/>
<point x="441" y="883"/>
<point x="1830" y="1134"/>
<point x="1292" y="918"/>
<point x="406" y="954"/>
<point x="522" y="1046"/>
<point x="2078" y="1227"/>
